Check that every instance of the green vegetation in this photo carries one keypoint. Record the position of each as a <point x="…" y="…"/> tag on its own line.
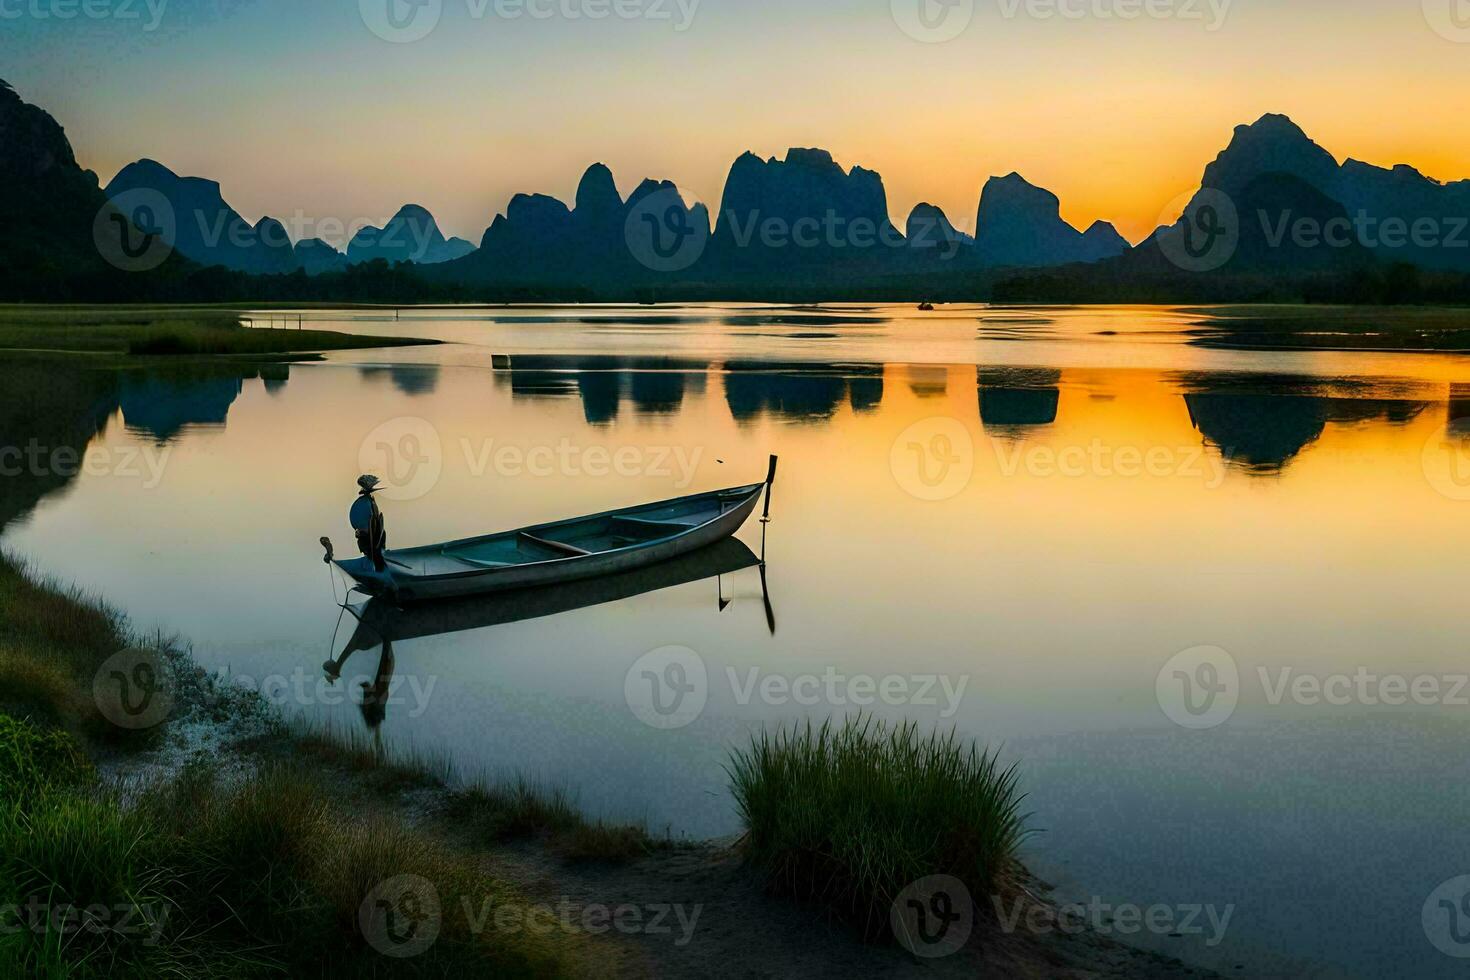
<point x="849" y="816"/>
<point x="52" y="640"/>
<point x="33" y="760"/>
<point x="482" y="810"/>
<point x="172" y="331"/>
<point x="268" y="878"/>
<point x="197" y="877"/>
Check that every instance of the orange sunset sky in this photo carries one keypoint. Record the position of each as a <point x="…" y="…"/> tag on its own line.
<point x="301" y="109"/>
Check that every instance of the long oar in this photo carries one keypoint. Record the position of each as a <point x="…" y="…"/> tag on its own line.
<point x="766" y="515"/>
<point x="766" y="597"/>
<point x="765" y="521"/>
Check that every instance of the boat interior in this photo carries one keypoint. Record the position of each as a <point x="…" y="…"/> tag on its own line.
<point x="570" y="539"/>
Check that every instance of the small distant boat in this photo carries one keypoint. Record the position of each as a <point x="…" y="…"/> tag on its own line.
<point x="927" y="307"/>
<point x="565" y="551"/>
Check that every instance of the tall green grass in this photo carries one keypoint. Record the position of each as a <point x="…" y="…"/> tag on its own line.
<point x="52" y="640"/>
<point x="848" y="816"/>
<point x="267" y="878"/>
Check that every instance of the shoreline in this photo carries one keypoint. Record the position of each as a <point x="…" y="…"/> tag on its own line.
<point x="533" y="843"/>
<point x="228" y="746"/>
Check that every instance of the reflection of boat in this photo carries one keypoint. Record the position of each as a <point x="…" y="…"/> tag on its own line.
<point x="585" y="547"/>
<point x="380" y="620"/>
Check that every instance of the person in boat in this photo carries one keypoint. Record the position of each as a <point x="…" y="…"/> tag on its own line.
<point x="367" y="522"/>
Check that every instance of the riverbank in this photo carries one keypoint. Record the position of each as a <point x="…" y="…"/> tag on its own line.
<point x="236" y="843"/>
<point x="166" y="332"/>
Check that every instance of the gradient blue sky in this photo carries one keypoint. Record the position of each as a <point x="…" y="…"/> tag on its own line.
<point x="298" y="107"/>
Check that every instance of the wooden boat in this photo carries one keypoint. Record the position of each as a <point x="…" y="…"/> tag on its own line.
<point x="380" y="619"/>
<point x="565" y="551"/>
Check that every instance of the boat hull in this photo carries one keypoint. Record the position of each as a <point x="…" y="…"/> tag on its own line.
<point x="402" y="586"/>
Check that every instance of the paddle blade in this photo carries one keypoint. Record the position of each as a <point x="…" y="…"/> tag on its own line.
<point x="766" y="598"/>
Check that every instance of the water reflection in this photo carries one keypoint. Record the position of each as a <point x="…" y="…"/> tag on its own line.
<point x="928" y="381"/>
<point x="411" y="379"/>
<point x="52" y="411"/>
<point x="1262" y="423"/>
<point x="800" y="391"/>
<point x="160" y="404"/>
<point x="1459" y="411"/>
<point x="1013" y="400"/>
<point x="653" y="385"/>
<point x="381" y="623"/>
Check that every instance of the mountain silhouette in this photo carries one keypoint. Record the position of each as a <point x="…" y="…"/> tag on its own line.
<point x="1370" y="196"/>
<point x="802" y="228"/>
<point x="1020" y="224"/>
<point x="51" y="213"/>
<point x="542" y="241"/>
<point x="411" y="235"/>
<point x="803" y="210"/>
<point x="204" y="226"/>
<point x="316" y="257"/>
<point x="928" y="227"/>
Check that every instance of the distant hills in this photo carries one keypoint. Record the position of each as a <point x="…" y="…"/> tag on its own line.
<point x="412" y="235"/>
<point x="1275" y="217"/>
<point x="209" y="231"/>
<point x="49" y="209"/>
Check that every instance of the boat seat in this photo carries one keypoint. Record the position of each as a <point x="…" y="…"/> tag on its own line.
<point x="480" y="562"/>
<point x="639" y="528"/>
<point x="560" y="546"/>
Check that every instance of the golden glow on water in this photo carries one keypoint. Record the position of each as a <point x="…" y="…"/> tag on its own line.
<point x="1045" y="522"/>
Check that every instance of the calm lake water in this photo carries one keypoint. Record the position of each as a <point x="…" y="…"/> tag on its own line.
<point x="1013" y="522"/>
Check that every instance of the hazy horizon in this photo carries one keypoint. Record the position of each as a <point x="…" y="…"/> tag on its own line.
<point x="491" y="104"/>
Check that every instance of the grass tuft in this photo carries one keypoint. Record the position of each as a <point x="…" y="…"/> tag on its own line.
<point x="849" y="816"/>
